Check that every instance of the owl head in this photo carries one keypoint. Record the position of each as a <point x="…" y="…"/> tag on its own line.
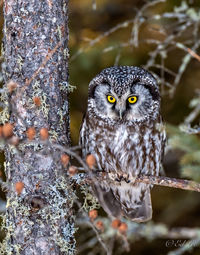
<point x="124" y="93"/>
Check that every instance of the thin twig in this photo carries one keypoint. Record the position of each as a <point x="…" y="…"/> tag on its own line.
<point x="100" y="37"/>
<point x="99" y="237"/>
<point x="46" y="59"/>
<point x="138" y="20"/>
<point x="193" y="54"/>
<point x="185" y="61"/>
<point x="193" y="115"/>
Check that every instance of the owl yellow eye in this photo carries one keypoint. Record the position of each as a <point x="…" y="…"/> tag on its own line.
<point x="132" y="100"/>
<point x="111" y="99"/>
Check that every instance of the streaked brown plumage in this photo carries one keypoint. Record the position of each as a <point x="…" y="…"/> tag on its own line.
<point x="125" y="137"/>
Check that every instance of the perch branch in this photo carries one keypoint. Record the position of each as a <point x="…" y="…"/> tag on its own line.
<point x="98" y="175"/>
<point x="169" y="182"/>
<point x="147" y="179"/>
<point x="158" y="180"/>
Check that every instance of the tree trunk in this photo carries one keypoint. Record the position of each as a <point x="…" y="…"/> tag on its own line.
<point x="38" y="218"/>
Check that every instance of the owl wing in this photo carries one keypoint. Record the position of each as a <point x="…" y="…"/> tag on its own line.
<point x="108" y="201"/>
<point x="104" y="194"/>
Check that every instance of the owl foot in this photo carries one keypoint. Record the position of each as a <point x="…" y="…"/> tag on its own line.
<point x="119" y="178"/>
<point x="123" y="177"/>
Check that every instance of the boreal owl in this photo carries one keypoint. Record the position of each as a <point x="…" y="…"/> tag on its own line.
<point x="123" y="129"/>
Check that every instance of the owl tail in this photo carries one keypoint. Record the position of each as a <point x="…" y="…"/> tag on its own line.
<point x="133" y="202"/>
<point x="138" y="208"/>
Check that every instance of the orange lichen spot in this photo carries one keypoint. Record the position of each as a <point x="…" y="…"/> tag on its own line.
<point x="64" y="159"/>
<point x="93" y="214"/>
<point x="7" y="130"/>
<point x="91" y="160"/>
<point x="116" y="223"/>
<point x="19" y="187"/>
<point x="99" y="225"/>
<point x="37" y="101"/>
<point x="72" y="170"/>
<point x="11" y="86"/>
<point x="44" y="134"/>
<point x="30" y="133"/>
<point x="123" y="228"/>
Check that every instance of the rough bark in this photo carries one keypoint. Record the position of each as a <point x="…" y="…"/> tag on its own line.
<point x="38" y="220"/>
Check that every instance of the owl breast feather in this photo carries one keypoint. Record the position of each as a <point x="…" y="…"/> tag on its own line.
<point x="128" y="149"/>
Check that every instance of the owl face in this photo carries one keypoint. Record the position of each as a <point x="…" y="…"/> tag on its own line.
<point x="126" y="99"/>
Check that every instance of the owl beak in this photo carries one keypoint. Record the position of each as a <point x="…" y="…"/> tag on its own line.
<point x="121" y="113"/>
<point x="120" y="110"/>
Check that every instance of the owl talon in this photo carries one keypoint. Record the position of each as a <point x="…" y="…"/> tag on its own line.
<point x="123" y="177"/>
<point x="126" y="178"/>
<point x="119" y="178"/>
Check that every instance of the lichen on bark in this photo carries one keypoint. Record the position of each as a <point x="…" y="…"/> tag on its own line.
<point x="40" y="219"/>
